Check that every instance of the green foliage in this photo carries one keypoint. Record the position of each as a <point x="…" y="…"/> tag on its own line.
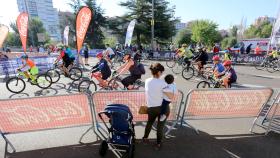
<point x="184" y="36"/>
<point x="141" y="10"/>
<point x="261" y="31"/>
<point x="233" y="31"/>
<point x="13" y="39"/>
<point x="67" y="18"/>
<point x="229" y="42"/>
<point x="35" y="26"/>
<point x="112" y="41"/>
<point x="94" y="36"/>
<point x="205" y="32"/>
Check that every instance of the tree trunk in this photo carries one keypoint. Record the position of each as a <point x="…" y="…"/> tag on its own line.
<point x="138" y="38"/>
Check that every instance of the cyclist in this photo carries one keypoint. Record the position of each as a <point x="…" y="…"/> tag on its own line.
<point x="201" y="59"/>
<point x="29" y="68"/>
<point x="68" y="59"/>
<point x="136" y="71"/>
<point x="230" y="75"/>
<point x="273" y="55"/>
<point x="218" y="68"/>
<point x="109" y="53"/>
<point x="186" y="54"/>
<point x="227" y="55"/>
<point x="101" y="71"/>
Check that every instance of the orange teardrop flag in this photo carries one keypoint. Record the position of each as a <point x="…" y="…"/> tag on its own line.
<point x="22" y="25"/>
<point x="82" y="22"/>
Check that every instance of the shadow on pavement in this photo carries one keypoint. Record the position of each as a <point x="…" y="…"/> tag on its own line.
<point x="46" y="92"/>
<point x="185" y="144"/>
<point x="20" y="95"/>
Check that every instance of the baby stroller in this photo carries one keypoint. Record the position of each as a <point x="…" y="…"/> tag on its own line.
<point x="121" y="134"/>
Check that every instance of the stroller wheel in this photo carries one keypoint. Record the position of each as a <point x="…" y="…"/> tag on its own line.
<point x="103" y="148"/>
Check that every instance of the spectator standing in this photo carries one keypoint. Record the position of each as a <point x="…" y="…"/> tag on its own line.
<point x="86" y="53"/>
<point x="248" y="49"/>
<point x="154" y="93"/>
<point x="258" y="50"/>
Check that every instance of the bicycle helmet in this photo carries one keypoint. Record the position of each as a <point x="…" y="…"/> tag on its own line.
<point x="227" y="63"/>
<point x="24" y="56"/>
<point x="99" y="55"/>
<point x="216" y="58"/>
<point x="226" y="51"/>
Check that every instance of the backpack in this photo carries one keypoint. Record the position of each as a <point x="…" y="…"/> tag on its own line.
<point x="138" y="69"/>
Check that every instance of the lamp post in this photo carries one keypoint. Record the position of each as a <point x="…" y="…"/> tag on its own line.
<point x="153" y="25"/>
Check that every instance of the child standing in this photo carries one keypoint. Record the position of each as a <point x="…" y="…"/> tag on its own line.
<point x="168" y="95"/>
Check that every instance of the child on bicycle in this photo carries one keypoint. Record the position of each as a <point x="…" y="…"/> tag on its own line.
<point x="101" y="71"/>
<point x="68" y="59"/>
<point x="218" y="68"/>
<point x="29" y="68"/>
<point x="230" y="74"/>
<point x="168" y="95"/>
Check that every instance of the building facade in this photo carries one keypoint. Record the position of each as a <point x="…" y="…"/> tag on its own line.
<point x="47" y="14"/>
<point x="180" y="26"/>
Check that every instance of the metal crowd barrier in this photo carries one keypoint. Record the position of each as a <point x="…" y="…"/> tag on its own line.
<point x="274" y="116"/>
<point x="133" y="99"/>
<point x="8" y="68"/>
<point x="224" y="103"/>
<point x="43" y="113"/>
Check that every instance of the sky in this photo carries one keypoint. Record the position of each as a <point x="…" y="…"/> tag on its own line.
<point x="224" y="12"/>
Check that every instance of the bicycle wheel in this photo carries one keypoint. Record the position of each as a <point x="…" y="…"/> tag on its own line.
<point x="44" y="81"/>
<point x="178" y="68"/>
<point x="75" y="73"/>
<point x="170" y="63"/>
<point x="271" y="67"/>
<point x="15" y="85"/>
<point x="203" y="84"/>
<point x="259" y="65"/>
<point x="188" y="73"/>
<point x="115" y="84"/>
<point x="55" y="75"/>
<point x="87" y="85"/>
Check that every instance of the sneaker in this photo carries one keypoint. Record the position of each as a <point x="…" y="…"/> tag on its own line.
<point x="162" y="118"/>
<point x="145" y="141"/>
<point x="157" y="147"/>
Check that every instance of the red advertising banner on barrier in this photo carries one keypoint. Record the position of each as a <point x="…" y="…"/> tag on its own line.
<point x="82" y="22"/>
<point x="22" y="25"/>
<point x="33" y="114"/>
<point x="133" y="99"/>
<point x="226" y="103"/>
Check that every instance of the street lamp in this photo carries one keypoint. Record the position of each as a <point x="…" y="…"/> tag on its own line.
<point x="153" y="25"/>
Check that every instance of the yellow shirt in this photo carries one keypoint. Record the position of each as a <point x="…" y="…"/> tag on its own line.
<point x="274" y="54"/>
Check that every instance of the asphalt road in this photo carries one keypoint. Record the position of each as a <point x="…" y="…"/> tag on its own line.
<point x="218" y="138"/>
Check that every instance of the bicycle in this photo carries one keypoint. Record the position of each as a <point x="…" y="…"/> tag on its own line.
<point x="116" y="84"/>
<point x="75" y="73"/>
<point x="17" y="84"/>
<point x="273" y="66"/>
<point x="89" y="85"/>
<point x="176" y="64"/>
<point x="191" y="71"/>
<point x="211" y="83"/>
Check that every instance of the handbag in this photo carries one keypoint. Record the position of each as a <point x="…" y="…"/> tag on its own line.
<point x="143" y="110"/>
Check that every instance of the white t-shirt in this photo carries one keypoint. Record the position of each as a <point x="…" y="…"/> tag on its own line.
<point x="110" y="50"/>
<point x="170" y="88"/>
<point x="154" y="91"/>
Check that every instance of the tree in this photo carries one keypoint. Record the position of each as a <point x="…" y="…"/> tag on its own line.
<point x="35" y="26"/>
<point x="184" y="36"/>
<point x="141" y="10"/>
<point x="263" y="30"/>
<point x="234" y="31"/>
<point x="94" y="36"/>
<point x="229" y="42"/>
<point x="205" y="32"/>
<point x="13" y="39"/>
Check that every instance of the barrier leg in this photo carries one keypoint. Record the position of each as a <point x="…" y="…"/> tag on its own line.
<point x="188" y="125"/>
<point x="80" y="140"/>
<point x="171" y="128"/>
<point x="7" y="144"/>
